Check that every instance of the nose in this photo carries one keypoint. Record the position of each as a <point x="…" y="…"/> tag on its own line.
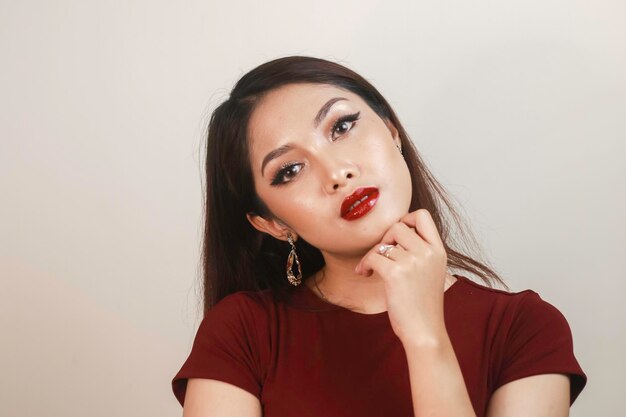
<point x="338" y="174"/>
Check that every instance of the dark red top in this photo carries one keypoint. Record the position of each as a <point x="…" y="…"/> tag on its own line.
<point x="338" y="362"/>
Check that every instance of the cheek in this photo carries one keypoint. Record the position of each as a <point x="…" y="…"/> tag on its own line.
<point x="380" y="156"/>
<point x="301" y="209"/>
<point x="294" y="207"/>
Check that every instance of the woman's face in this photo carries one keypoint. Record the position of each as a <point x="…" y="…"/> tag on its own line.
<point x="322" y="161"/>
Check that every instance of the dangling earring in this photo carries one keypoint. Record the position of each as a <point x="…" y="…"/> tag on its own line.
<point x="293" y="280"/>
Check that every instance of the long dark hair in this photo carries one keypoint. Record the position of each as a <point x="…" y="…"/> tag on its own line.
<point x="236" y="256"/>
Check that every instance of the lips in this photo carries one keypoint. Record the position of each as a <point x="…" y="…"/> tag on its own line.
<point x="359" y="202"/>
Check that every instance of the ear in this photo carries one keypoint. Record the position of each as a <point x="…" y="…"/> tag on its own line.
<point x="394" y="132"/>
<point x="272" y="227"/>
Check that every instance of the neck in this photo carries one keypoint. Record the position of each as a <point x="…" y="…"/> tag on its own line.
<point x="338" y="284"/>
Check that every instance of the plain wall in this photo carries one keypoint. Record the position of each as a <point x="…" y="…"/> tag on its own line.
<point x="518" y="107"/>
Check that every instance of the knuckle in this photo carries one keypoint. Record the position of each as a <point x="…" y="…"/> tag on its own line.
<point x="413" y="261"/>
<point x="397" y="269"/>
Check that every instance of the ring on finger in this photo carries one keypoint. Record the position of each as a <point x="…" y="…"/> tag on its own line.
<point x="385" y="250"/>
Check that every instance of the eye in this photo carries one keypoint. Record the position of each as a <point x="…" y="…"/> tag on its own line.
<point x="285" y="172"/>
<point x="344" y="124"/>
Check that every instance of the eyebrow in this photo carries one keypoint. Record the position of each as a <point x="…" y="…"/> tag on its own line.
<point x="283" y="149"/>
<point x="325" y="109"/>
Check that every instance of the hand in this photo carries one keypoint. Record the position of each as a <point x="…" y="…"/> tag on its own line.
<point x="414" y="274"/>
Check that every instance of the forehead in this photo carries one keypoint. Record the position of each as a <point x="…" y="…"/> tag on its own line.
<point x="285" y="112"/>
<point x="305" y="95"/>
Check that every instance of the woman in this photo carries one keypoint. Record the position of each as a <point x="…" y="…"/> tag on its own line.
<point x="326" y="283"/>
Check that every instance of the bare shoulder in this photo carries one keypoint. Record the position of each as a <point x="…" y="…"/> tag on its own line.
<point x="206" y="397"/>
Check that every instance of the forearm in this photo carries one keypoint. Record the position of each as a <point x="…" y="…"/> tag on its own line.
<point x="437" y="385"/>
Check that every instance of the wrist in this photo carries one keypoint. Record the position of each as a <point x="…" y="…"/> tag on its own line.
<point x="434" y="339"/>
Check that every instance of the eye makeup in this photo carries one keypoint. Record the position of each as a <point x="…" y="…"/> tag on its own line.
<point x="284" y="169"/>
<point x="343" y="119"/>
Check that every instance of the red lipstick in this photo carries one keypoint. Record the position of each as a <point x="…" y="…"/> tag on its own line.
<point x="359" y="203"/>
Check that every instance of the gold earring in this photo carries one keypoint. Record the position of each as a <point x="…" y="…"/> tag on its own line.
<point x="293" y="280"/>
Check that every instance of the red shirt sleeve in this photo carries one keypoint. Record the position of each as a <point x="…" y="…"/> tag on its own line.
<point x="224" y="348"/>
<point x="539" y="341"/>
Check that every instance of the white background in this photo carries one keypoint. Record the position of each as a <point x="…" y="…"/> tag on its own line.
<point x="517" y="106"/>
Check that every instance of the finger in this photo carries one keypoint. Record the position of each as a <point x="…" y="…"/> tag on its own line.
<point x="406" y="237"/>
<point x="374" y="261"/>
<point x="376" y="251"/>
<point x="424" y="225"/>
<point x="401" y="235"/>
<point x="396" y="254"/>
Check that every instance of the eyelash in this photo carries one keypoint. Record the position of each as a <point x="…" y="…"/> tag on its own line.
<point x="286" y="167"/>
<point x="347" y="118"/>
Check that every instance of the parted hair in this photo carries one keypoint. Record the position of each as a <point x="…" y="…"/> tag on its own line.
<point x="236" y="256"/>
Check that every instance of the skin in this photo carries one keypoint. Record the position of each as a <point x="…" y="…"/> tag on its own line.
<point x="331" y="166"/>
<point x="409" y="284"/>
